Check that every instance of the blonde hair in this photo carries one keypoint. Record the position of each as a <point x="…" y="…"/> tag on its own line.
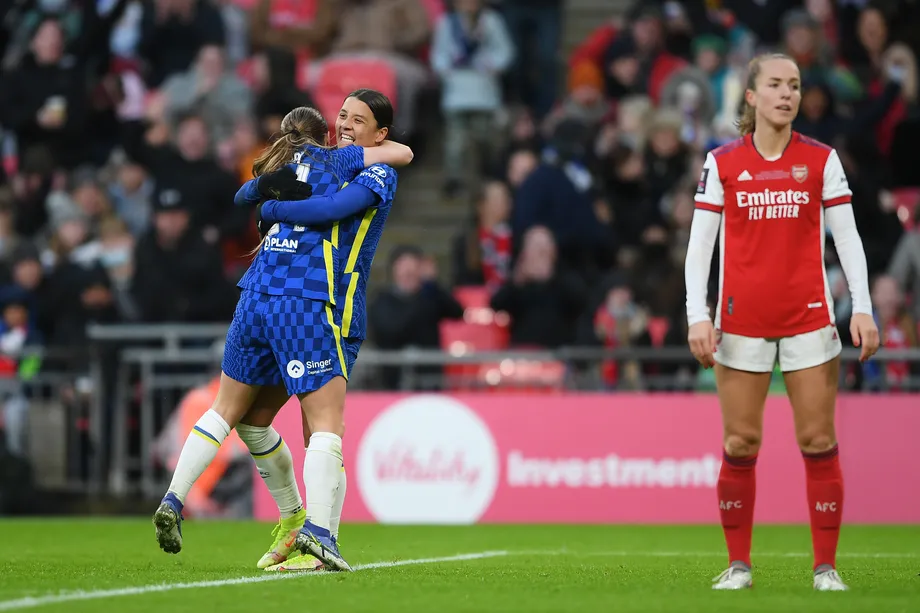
<point x="746" y="121"/>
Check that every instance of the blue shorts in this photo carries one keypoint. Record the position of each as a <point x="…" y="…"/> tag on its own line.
<point x="351" y="346"/>
<point x="284" y="339"/>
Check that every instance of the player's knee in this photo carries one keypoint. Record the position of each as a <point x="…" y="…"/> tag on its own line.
<point x="742" y="444"/>
<point x="816" y="440"/>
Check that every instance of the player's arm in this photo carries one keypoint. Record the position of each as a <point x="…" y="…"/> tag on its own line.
<point x="838" y="215"/>
<point x="704" y="229"/>
<point x="389" y="153"/>
<point x="281" y="183"/>
<point x="352" y="199"/>
<point x="248" y="194"/>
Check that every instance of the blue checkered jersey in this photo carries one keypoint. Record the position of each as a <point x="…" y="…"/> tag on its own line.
<point x="300" y="260"/>
<point x="362" y="206"/>
<point x="359" y="236"/>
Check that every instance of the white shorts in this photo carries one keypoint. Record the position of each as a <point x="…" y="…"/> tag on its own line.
<point x="795" y="352"/>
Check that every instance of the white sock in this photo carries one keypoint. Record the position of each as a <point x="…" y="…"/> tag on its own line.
<point x="199" y="451"/>
<point x="321" y="469"/>
<point x="276" y="466"/>
<point x="337" y="505"/>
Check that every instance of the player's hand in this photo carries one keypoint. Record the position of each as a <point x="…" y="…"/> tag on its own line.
<point x="702" y="341"/>
<point x="865" y="335"/>
<point x="282" y="184"/>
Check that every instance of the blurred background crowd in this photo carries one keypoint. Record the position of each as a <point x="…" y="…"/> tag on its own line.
<point x="562" y="175"/>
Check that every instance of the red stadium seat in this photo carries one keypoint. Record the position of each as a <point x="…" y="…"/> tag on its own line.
<point x="481" y="329"/>
<point x="340" y="77"/>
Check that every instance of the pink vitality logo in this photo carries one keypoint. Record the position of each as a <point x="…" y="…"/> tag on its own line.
<point x="428" y="459"/>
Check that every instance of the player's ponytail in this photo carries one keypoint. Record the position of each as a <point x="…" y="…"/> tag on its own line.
<point x="748" y="117"/>
<point x="301" y="127"/>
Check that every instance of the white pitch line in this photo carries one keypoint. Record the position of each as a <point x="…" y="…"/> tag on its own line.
<point x="38" y="601"/>
<point x="706" y="554"/>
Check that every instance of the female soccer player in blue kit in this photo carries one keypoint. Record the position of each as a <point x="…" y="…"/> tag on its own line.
<point x="364" y="120"/>
<point x="284" y="331"/>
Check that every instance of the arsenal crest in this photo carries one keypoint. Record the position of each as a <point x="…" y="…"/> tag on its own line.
<point x="800" y="172"/>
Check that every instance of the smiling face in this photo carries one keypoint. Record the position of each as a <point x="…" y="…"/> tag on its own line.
<point x="777" y="92"/>
<point x="356" y="125"/>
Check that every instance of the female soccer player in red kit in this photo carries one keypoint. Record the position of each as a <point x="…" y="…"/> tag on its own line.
<point x="769" y="195"/>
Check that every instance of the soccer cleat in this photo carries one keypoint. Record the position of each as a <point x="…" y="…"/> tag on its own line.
<point x="319" y="543"/>
<point x="168" y="523"/>
<point x="829" y="581"/>
<point x="734" y="577"/>
<point x="285" y="534"/>
<point x="300" y="563"/>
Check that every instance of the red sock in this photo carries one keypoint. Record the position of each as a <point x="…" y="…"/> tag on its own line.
<point x="825" y="503"/>
<point x="736" y="489"/>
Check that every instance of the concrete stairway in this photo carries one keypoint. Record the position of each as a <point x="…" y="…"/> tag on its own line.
<point x="421" y="215"/>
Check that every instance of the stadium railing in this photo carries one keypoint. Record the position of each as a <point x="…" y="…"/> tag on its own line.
<point x="106" y="403"/>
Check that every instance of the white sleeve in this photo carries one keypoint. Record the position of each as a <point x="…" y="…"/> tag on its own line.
<point x="709" y="190"/>
<point x="704" y="230"/>
<point x="842" y="224"/>
<point x="836" y="189"/>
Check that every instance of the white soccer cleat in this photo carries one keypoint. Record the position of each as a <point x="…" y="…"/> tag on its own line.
<point x="829" y="581"/>
<point x="733" y="578"/>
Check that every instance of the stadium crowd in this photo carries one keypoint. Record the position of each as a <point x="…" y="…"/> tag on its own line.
<point x="127" y="126"/>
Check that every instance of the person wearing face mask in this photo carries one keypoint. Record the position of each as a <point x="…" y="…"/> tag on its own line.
<point x="542" y="300"/>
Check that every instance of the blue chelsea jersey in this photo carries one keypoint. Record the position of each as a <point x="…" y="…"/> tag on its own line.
<point x="296" y="260"/>
<point x="359" y="236"/>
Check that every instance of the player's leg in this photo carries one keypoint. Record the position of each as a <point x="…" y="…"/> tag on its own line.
<point x="275" y="464"/>
<point x="351" y="347"/>
<point x="247" y="364"/>
<point x="811" y="369"/>
<point x="308" y="348"/>
<point x="743" y="372"/>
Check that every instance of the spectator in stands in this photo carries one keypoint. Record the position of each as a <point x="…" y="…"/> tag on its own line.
<point x="189" y="168"/>
<point x="17" y="333"/>
<point x="178" y="276"/>
<point x="560" y="194"/>
<point x="470" y="51"/>
<point x="709" y="56"/>
<point x="172" y="32"/>
<point x="584" y="102"/>
<point x="905" y="266"/>
<point x="637" y="61"/>
<point x="898" y="331"/>
<point x="116" y="255"/>
<point x="543" y="300"/>
<point x="209" y="90"/>
<point x="299" y="26"/>
<point x="8" y="238"/>
<point x="521" y="165"/>
<point x="393" y="30"/>
<point x="43" y="100"/>
<point x="482" y="253"/>
<point x="407" y="313"/>
<point x="535" y="27"/>
<point x="131" y="193"/>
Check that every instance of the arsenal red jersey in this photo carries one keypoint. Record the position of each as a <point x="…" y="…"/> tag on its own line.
<point x="772" y="280"/>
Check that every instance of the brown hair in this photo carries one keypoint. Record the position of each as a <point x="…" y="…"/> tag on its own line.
<point x="745" y="123"/>
<point x="301" y="127"/>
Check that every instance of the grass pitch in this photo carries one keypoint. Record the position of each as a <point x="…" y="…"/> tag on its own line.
<point x="115" y="565"/>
